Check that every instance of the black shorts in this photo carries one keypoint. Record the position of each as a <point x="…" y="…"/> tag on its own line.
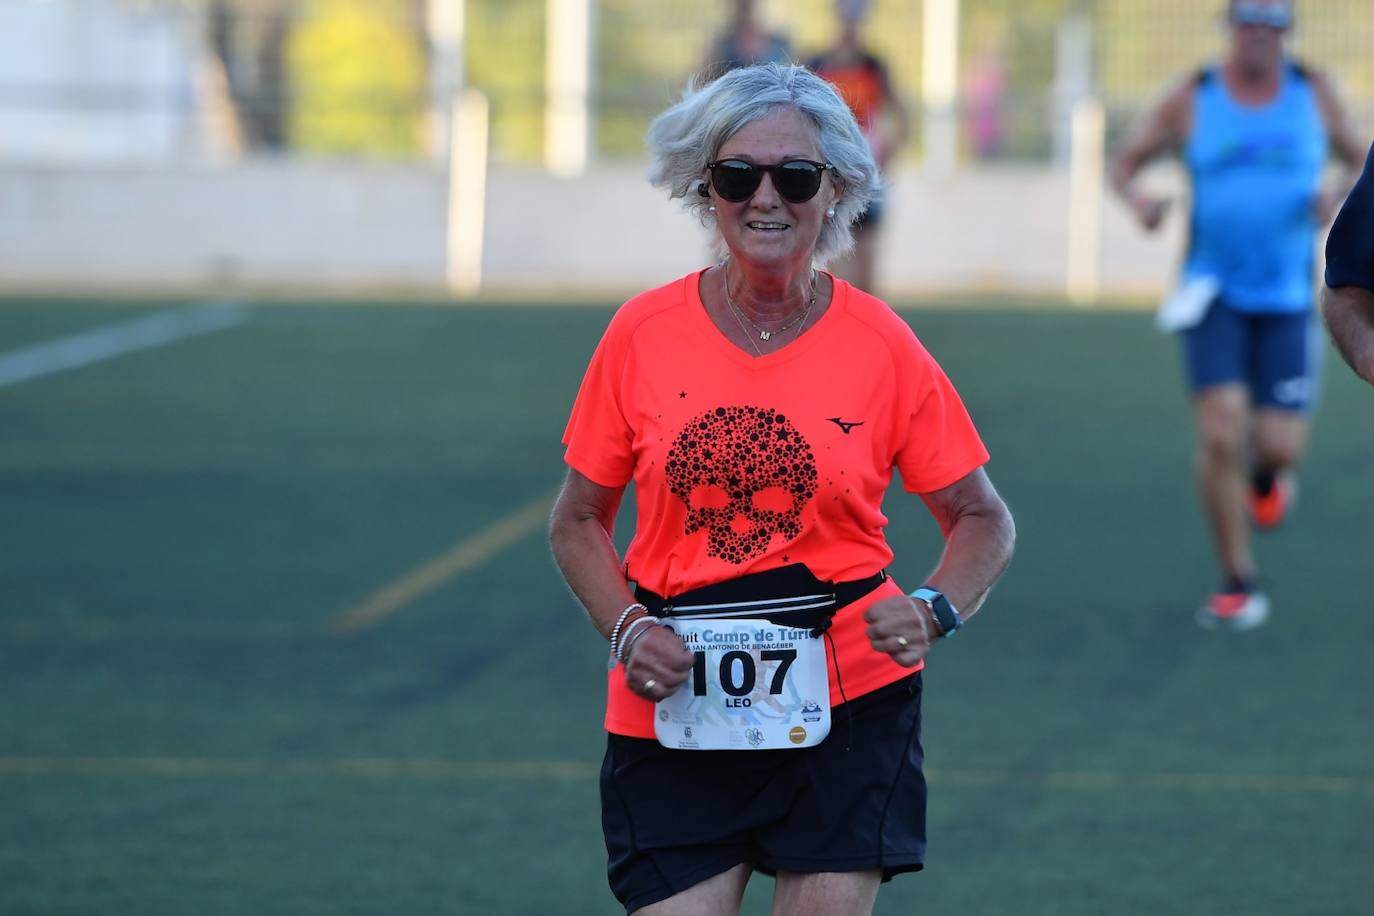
<point x="854" y="802"/>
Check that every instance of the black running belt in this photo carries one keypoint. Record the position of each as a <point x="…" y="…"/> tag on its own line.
<point x="788" y="596"/>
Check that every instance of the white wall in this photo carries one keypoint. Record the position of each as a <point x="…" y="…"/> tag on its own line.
<point x="377" y="228"/>
<point x="90" y="81"/>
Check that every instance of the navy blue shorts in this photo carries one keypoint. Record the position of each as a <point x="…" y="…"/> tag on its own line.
<point x="854" y="802"/>
<point x="1276" y="354"/>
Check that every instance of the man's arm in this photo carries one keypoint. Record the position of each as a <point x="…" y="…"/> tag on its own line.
<point x="1163" y="130"/>
<point x="1349" y="313"/>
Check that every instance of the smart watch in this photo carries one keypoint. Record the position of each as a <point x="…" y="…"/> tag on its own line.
<point x="946" y="617"/>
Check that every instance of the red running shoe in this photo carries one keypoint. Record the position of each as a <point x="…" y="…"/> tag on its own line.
<point x="1270" y="510"/>
<point x="1234" y="611"/>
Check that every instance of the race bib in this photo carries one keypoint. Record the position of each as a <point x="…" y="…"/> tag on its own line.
<point x="755" y="685"/>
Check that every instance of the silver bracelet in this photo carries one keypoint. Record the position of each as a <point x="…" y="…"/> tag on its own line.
<point x="631" y="636"/>
<point x="620" y="622"/>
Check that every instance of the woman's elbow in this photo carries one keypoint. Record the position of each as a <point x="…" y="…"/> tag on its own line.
<point x="562" y="523"/>
<point x="1005" y="526"/>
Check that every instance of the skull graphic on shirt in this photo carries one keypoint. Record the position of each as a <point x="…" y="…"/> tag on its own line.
<point x="745" y="474"/>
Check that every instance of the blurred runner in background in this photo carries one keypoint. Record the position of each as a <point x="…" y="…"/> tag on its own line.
<point x="1254" y="133"/>
<point x="746" y="42"/>
<point x="863" y="82"/>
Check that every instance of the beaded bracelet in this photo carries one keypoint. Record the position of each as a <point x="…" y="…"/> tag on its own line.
<point x="620" y="622"/>
<point x="631" y="635"/>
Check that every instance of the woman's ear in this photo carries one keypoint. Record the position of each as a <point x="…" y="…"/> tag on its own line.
<point x="836" y="191"/>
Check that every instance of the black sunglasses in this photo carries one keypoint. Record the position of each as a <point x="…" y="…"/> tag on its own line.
<point x="796" y="180"/>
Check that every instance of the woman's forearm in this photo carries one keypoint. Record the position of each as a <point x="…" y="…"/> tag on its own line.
<point x="978" y="548"/>
<point x="586" y="555"/>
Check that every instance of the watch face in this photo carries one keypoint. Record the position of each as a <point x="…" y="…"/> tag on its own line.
<point x="945" y="613"/>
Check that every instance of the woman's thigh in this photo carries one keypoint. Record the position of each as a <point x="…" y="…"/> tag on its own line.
<point x="718" y="895"/>
<point x="834" y="893"/>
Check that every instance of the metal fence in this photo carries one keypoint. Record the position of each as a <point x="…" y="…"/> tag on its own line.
<point x="86" y="80"/>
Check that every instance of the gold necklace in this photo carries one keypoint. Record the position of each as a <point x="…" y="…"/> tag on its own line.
<point x="767" y="334"/>
<point x="740" y="321"/>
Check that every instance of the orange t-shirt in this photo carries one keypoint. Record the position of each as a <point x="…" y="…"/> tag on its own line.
<point x="744" y="463"/>
<point x="862" y="83"/>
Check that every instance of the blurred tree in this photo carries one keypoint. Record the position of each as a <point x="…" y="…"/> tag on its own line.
<point x="643" y="58"/>
<point x="357" y="72"/>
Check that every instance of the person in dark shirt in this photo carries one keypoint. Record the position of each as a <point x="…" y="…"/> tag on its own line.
<point x="1348" y="304"/>
<point x="745" y="43"/>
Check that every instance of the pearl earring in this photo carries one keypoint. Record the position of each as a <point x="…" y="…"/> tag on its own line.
<point x="711" y="209"/>
<point x="830" y="213"/>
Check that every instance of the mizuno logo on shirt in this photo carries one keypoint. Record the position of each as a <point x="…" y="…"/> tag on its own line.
<point x="844" y="425"/>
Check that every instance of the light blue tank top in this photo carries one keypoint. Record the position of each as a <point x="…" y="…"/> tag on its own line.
<point x="1255" y="174"/>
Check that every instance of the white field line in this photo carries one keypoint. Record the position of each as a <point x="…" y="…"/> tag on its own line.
<point x="109" y="341"/>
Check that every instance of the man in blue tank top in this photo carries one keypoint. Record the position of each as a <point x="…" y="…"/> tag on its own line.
<point x="1254" y="134"/>
<point x="1349" y="301"/>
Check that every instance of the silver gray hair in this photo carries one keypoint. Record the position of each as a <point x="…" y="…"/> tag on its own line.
<point x="683" y="139"/>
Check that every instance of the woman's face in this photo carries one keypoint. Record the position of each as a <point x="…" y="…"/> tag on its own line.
<point x="765" y="230"/>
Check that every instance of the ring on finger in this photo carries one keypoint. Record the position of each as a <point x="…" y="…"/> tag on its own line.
<point x="650" y="684"/>
<point x="901" y="641"/>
